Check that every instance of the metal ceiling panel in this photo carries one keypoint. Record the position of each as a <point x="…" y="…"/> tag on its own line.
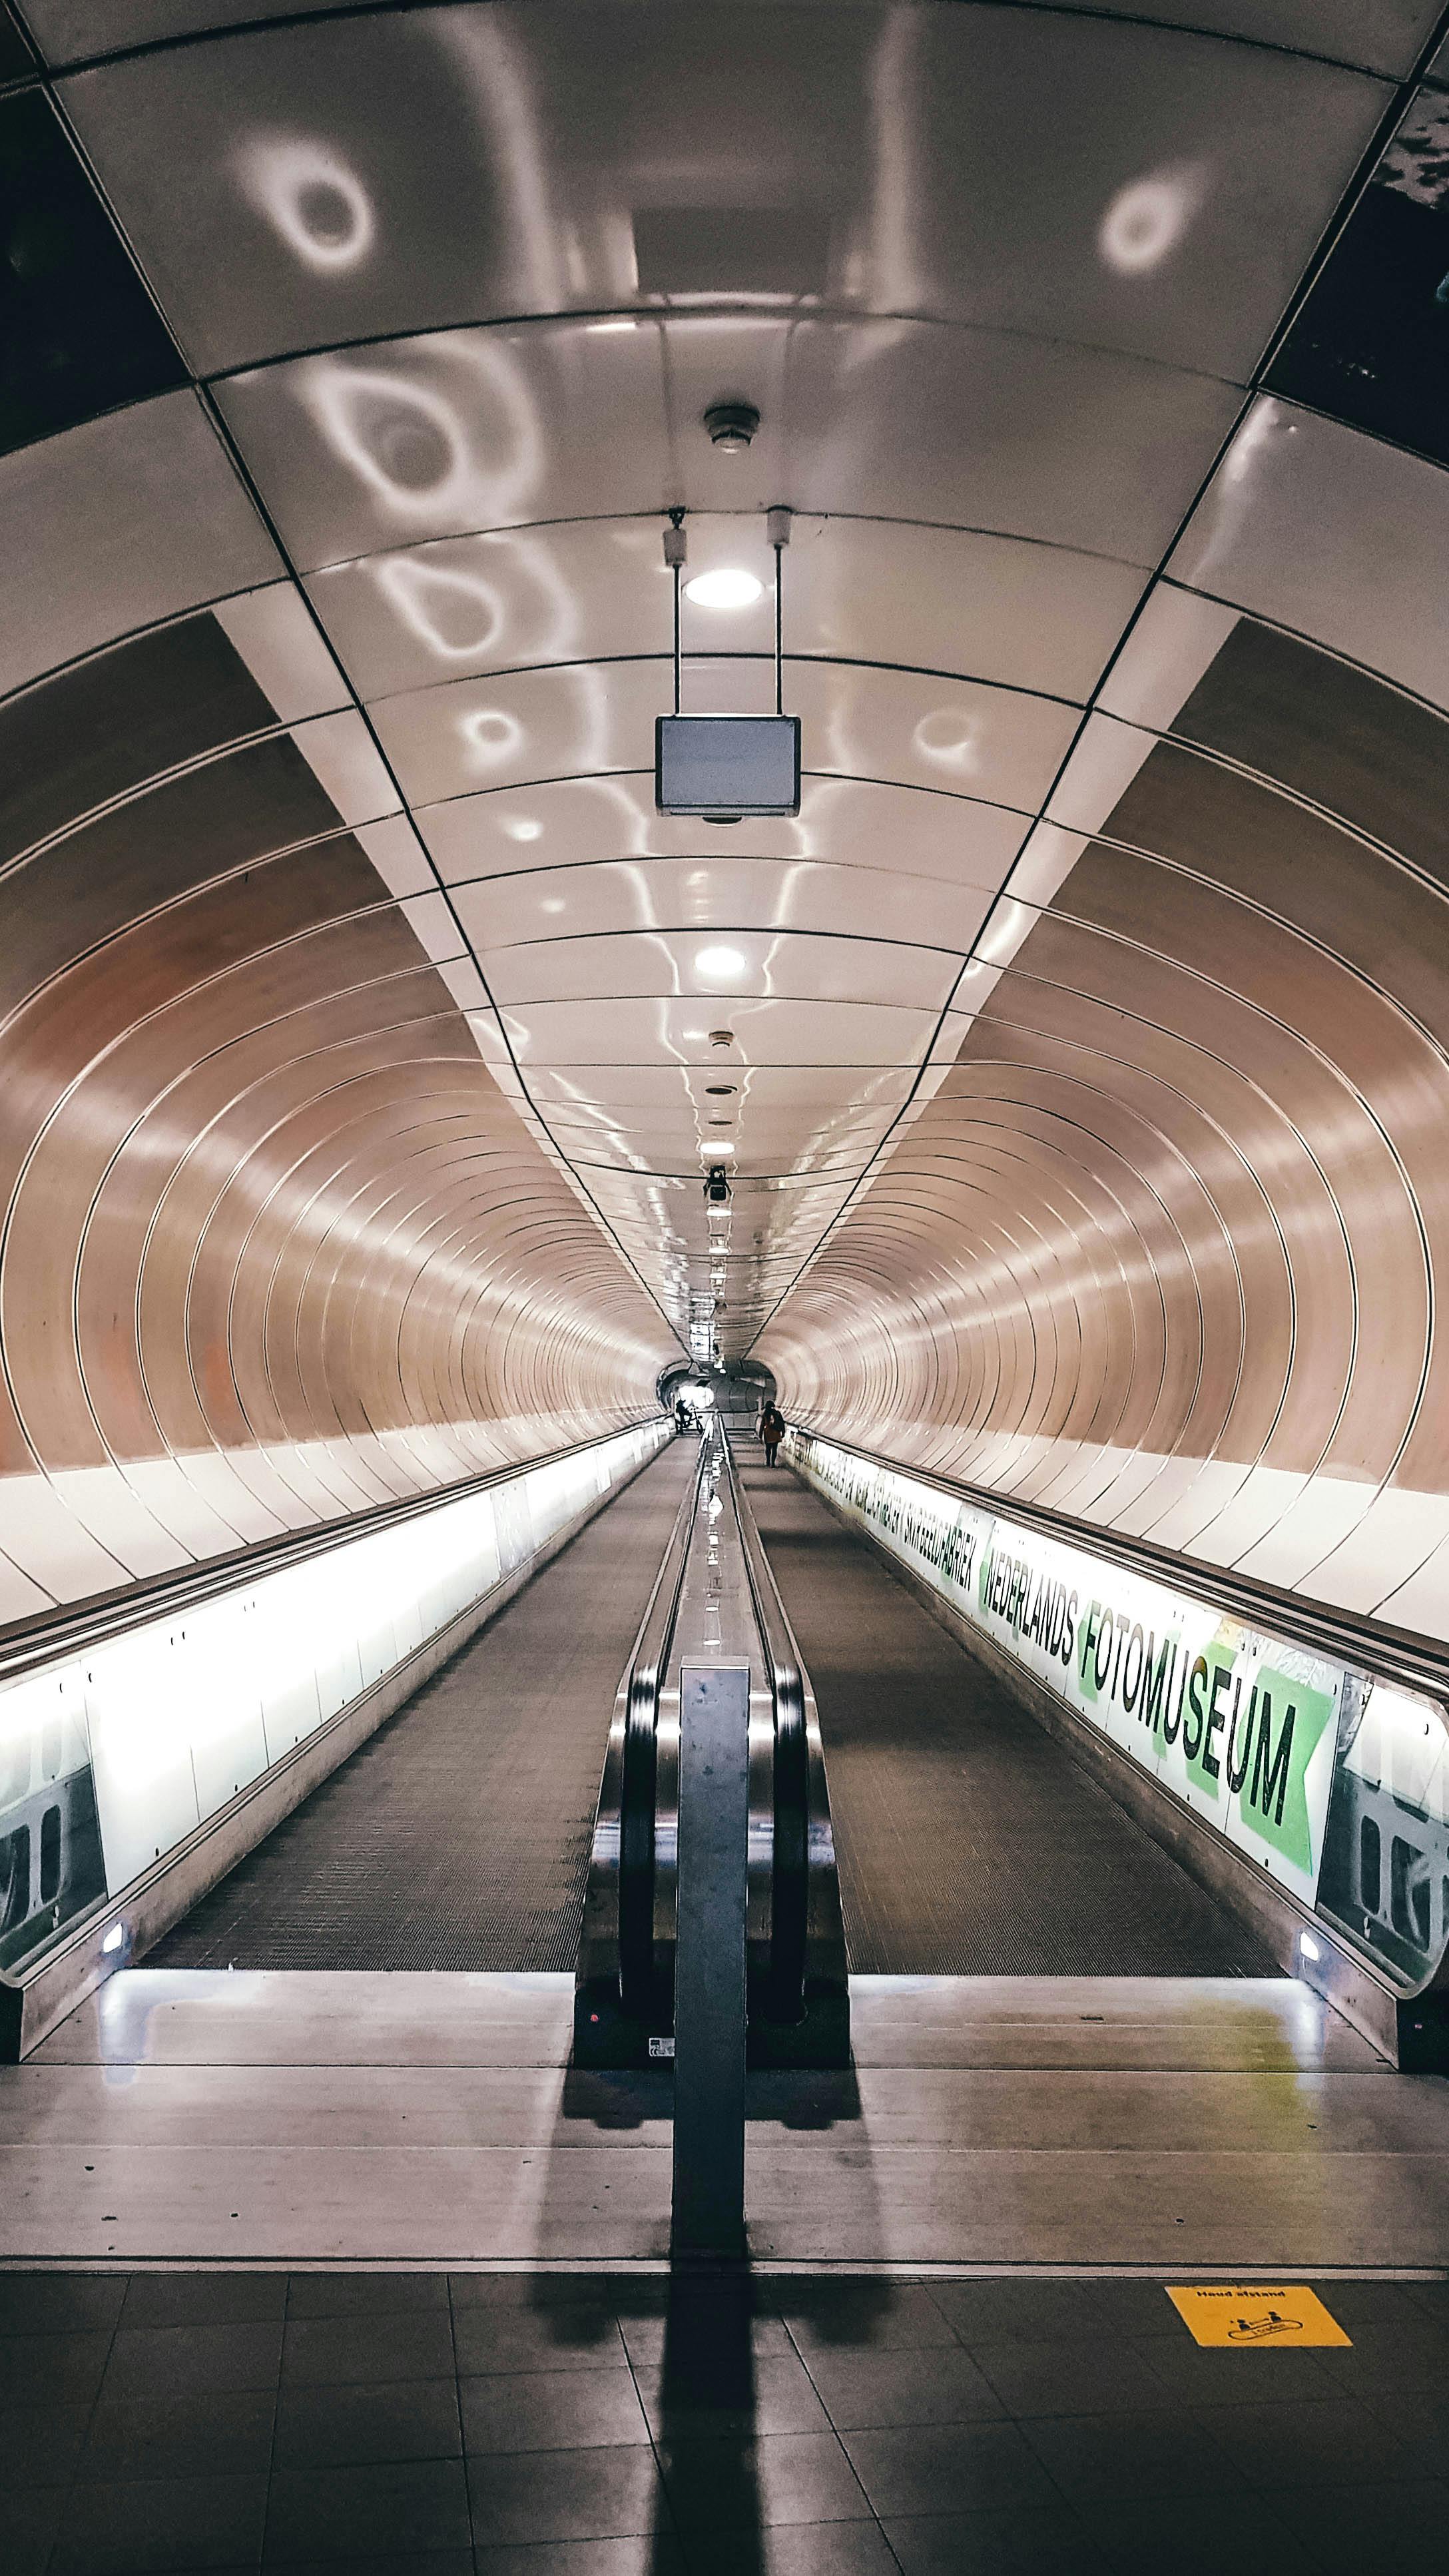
<point x="501" y="160"/>
<point x="936" y="599"/>
<point x="702" y="894"/>
<point x="724" y="968"/>
<point x="957" y="736"/>
<point x="132" y="518"/>
<point x="677" y="1031"/>
<point x="850" y="822"/>
<point x="1377" y="593"/>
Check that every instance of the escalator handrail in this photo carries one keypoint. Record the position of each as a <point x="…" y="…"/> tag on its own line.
<point x="639" y="1766"/>
<point x="790" y="1860"/>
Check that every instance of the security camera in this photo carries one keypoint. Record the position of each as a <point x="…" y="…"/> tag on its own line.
<point x="717" y="1185"/>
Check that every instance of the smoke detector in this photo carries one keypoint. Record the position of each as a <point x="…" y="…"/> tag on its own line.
<point x="721" y="1037"/>
<point x="731" y="426"/>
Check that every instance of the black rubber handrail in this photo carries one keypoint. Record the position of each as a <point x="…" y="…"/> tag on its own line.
<point x="639" y="1772"/>
<point x="790" y="1862"/>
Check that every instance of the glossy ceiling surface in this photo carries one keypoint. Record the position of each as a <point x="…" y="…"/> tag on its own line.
<point x="1078" y="1052"/>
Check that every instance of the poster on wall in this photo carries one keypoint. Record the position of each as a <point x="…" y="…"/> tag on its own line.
<point x="1239" y="1725"/>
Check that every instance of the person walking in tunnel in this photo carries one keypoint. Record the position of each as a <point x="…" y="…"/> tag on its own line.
<point x="772" y="1432"/>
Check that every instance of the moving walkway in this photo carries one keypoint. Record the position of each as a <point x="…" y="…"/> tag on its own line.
<point x="715" y="1601"/>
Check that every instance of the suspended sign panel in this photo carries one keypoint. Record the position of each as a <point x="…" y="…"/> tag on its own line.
<point x="1245" y="1728"/>
<point x="727" y="765"/>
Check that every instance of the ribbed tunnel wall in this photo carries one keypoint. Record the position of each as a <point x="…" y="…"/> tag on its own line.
<point x="275" y="1248"/>
<point x="1163" y="1249"/>
<point x="1080" y="1048"/>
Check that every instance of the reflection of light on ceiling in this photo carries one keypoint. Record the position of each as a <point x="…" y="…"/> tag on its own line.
<point x="723" y="589"/>
<point x="596" y="330"/>
<point x="522" y="827"/>
<point x="426" y="456"/>
<point x="552" y="903"/>
<point x="453" y="613"/>
<point x="692" y="1037"/>
<point x="403" y="439"/>
<point x="949" y="738"/>
<point x="309" y="195"/>
<point x="719" y="965"/>
<point x="1147" y="218"/>
<point x="492" y="736"/>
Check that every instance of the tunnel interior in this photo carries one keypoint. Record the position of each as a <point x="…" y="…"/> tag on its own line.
<point x="1035" y="416"/>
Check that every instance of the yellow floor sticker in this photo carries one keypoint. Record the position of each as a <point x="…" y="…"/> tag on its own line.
<point x="1249" y="2318"/>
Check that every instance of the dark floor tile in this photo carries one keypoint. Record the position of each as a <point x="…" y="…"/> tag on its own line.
<point x="794" y="2549"/>
<point x="60" y="2302"/>
<point x="362" y="2511"/>
<point x="1156" y="2453"/>
<point x="955" y="2468"/>
<point x="370" y="2294"/>
<point x="1371" y="2307"/>
<point x="1366" y="2530"/>
<point x="565" y="2495"/>
<point x="491" y="2339"/>
<point x="1430" y="2298"/>
<point x="205" y="2299"/>
<point x="1003" y="2310"/>
<point x="1339" y="2443"/>
<point x="551" y="2410"/>
<point x="647" y="2555"/>
<point x="1140" y="2310"/>
<point x="1144" y="2537"/>
<point x="776" y="2397"/>
<point x="1051" y="2542"/>
<point x="167" y="2361"/>
<point x="782" y="2477"/>
<point x="51" y="2369"/>
<point x="825" y="2315"/>
<point x="384" y="2562"/>
<point x="1412" y="2352"/>
<point x="40" y="2445"/>
<point x="391" y="2562"/>
<point x="767" y="2339"/>
<point x="542" y="2290"/>
<point x="203" y="2433"/>
<point x="1078" y="2377"/>
<point x="30" y="2521"/>
<point x="1418" y="2418"/>
<point x="1193" y="2374"/>
<point x="317" y="2350"/>
<point x="926" y="2385"/>
<point x="155" y="2523"/>
<point x="333" y="2424"/>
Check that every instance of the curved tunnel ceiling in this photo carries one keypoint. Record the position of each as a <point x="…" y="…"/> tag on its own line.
<point x="1085" y="1071"/>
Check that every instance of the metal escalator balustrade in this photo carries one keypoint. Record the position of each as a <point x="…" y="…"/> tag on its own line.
<point x="714" y="1602"/>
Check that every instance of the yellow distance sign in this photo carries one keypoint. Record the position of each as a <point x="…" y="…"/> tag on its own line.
<point x="1247" y="2317"/>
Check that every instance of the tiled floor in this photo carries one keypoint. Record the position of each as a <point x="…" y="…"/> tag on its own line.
<point x="572" y="2426"/>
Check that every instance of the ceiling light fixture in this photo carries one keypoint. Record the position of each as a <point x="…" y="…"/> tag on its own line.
<point x="719" y="965"/>
<point x="722" y="767"/>
<point x="723" y="589"/>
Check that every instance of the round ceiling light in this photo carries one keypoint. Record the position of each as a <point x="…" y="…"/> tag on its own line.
<point x="719" y="965"/>
<point x="723" y="589"/>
